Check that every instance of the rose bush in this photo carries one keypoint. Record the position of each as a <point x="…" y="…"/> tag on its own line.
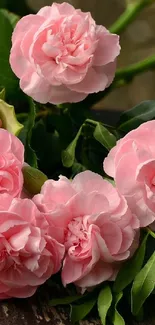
<point x="132" y="164"/>
<point x="61" y="55"/>
<point x="28" y="254"/>
<point x="11" y="163"/>
<point x="80" y="225"/>
<point x="94" y="224"/>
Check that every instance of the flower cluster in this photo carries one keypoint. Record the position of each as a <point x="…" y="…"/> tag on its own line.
<point x="29" y="254"/>
<point x="85" y="227"/>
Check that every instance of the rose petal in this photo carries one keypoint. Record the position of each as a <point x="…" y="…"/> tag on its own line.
<point x="23" y="292"/>
<point x="62" y="94"/>
<point x="108" y="47"/>
<point x="31" y="83"/>
<point x="24" y="24"/>
<point x="94" y="81"/>
<point x="100" y="273"/>
<point x="5" y="141"/>
<point x="129" y="173"/>
<point x="18" y="62"/>
<point x="19" y="240"/>
<point x="112" y="235"/>
<point x="71" y="271"/>
<point x="64" y="8"/>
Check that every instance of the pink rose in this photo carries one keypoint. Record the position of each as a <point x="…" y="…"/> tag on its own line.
<point x="61" y="55"/>
<point x="93" y="222"/>
<point x="11" y="163"/>
<point x="132" y="164"/>
<point x="28" y="254"/>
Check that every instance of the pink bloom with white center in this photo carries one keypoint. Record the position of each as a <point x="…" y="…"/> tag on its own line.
<point x="28" y="254"/>
<point x="61" y="55"/>
<point x="132" y="164"/>
<point x="93" y="222"/>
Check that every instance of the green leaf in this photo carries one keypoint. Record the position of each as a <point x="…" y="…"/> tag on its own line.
<point x="19" y="7"/>
<point x="2" y="94"/>
<point x="110" y="180"/>
<point x="13" y="18"/>
<point x="130" y="269"/>
<point x="33" y="179"/>
<point x="8" y="118"/>
<point x="3" y="3"/>
<point x="143" y="285"/>
<point x="68" y="155"/>
<point x="104" y="303"/>
<point x="116" y="318"/>
<point x="151" y="233"/>
<point x="140" y="316"/>
<point x="92" y="155"/>
<point x="102" y="135"/>
<point x="62" y="123"/>
<point x="77" y="168"/>
<point x="64" y="301"/>
<point x="78" y="312"/>
<point x="139" y="114"/>
<point x="7" y="77"/>
<point x="26" y="133"/>
<point x="47" y="146"/>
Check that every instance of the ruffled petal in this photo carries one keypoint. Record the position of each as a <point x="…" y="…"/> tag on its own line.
<point x="71" y="271"/>
<point x="24" y="25"/>
<point x="126" y="174"/>
<point x="18" y="62"/>
<point x="88" y="182"/>
<point x="36" y="87"/>
<point x="112" y="235"/>
<point x="23" y="292"/>
<point x="94" y="81"/>
<point x="62" y="94"/>
<point x="108" y="47"/>
<point x="64" y="8"/>
<point x="100" y="273"/>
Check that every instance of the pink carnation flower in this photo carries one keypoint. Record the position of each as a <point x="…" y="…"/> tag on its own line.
<point x="11" y="163"/>
<point x="94" y="224"/>
<point x="61" y="55"/>
<point x="28" y="254"/>
<point x="132" y="164"/>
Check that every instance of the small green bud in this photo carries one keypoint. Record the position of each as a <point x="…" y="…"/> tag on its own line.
<point x="8" y="117"/>
<point x="33" y="179"/>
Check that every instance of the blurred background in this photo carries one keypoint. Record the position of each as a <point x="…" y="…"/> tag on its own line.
<point x="137" y="42"/>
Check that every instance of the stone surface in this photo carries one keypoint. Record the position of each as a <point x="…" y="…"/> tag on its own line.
<point x="35" y="311"/>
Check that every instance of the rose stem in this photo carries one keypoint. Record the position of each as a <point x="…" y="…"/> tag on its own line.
<point x="131" y="12"/>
